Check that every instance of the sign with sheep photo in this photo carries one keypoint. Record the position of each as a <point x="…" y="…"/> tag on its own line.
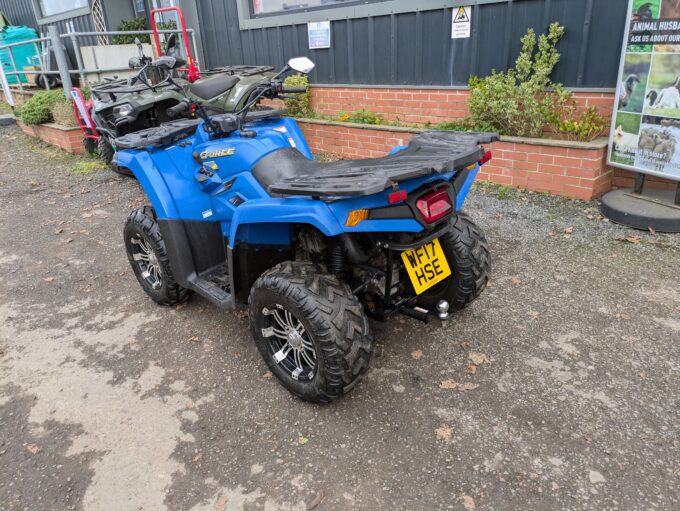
<point x="645" y="134"/>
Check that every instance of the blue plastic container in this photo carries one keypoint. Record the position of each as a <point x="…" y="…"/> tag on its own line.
<point x="24" y="55"/>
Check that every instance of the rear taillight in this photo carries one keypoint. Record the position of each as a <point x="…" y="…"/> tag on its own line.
<point x="486" y="158"/>
<point x="435" y="206"/>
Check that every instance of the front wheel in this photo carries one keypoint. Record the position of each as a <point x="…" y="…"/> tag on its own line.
<point x="467" y="253"/>
<point x="106" y="153"/>
<point x="149" y="258"/>
<point x="310" y="329"/>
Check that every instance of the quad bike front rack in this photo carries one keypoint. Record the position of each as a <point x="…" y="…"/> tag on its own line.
<point x="193" y="72"/>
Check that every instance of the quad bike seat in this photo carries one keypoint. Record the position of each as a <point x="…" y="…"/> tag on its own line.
<point x="214" y="86"/>
<point x="287" y="172"/>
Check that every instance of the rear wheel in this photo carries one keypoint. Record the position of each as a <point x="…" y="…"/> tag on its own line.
<point x="467" y="253"/>
<point x="149" y="258"/>
<point x="311" y="330"/>
<point x="106" y="153"/>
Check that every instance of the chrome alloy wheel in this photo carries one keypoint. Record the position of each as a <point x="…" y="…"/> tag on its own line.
<point x="147" y="261"/>
<point x="290" y="344"/>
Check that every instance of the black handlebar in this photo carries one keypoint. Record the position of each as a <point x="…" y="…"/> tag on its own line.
<point x="180" y="108"/>
<point x="294" y="90"/>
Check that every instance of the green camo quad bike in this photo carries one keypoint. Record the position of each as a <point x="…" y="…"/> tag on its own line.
<point x="146" y="100"/>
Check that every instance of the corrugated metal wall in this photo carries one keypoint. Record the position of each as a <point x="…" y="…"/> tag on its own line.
<point x="19" y="12"/>
<point x="416" y="48"/>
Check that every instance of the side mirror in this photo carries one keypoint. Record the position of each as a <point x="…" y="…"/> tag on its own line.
<point x="301" y="65"/>
<point x="134" y="62"/>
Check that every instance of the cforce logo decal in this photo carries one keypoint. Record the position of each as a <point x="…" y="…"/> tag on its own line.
<point x="218" y="153"/>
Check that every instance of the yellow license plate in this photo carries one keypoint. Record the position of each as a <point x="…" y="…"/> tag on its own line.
<point x="426" y="265"/>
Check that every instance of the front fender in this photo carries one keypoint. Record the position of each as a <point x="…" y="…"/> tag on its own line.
<point x="150" y="178"/>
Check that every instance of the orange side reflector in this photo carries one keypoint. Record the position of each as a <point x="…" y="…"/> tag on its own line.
<point x="356" y="216"/>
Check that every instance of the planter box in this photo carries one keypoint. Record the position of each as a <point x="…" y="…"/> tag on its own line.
<point x="571" y="169"/>
<point x="68" y="139"/>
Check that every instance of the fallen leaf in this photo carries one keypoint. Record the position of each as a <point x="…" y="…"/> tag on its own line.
<point x="267" y="375"/>
<point x="489" y="284"/>
<point x="652" y="231"/>
<point x="623" y="316"/>
<point x="515" y="281"/>
<point x="58" y="231"/>
<point x="48" y="279"/>
<point x="302" y="440"/>
<point x="444" y="432"/>
<point x="318" y="499"/>
<point x="417" y="355"/>
<point x="471" y="369"/>
<point x="193" y="338"/>
<point x="221" y="502"/>
<point x="198" y="457"/>
<point x="478" y="358"/>
<point x="568" y="230"/>
<point x="588" y="439"/>
<point x="453" y="385"/>
<point x="33" y="448"/>
<point x="533" y="314"/>
<point x="467" y="501"/>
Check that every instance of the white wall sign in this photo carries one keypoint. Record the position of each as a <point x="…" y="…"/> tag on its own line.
<point x="319" y="34"/>
<point x="462" y="21"/>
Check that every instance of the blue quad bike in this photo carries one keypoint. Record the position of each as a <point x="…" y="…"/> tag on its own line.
<point x="241" y="212"/>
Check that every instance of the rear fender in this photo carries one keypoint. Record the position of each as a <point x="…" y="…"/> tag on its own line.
<point x="150" y="178"/>
<point x="269" y="221"/>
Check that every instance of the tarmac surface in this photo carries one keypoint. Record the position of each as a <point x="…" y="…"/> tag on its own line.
<point x="558" y="389"/>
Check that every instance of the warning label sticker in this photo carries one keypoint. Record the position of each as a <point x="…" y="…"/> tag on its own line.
<point x="461" y="23"/>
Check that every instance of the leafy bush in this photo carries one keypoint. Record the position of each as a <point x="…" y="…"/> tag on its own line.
<point x="571" y="124"/>
<point x="301" y="106"/>
<point x="38" y="109"/>
<point x="361" y="117"/>
<point x="62" y="113"/>
<point x="466" y="124"/>
<point x="518" y="101"/>
<point x="133" y="25"/>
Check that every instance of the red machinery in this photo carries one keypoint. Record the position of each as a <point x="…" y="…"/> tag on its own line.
<point x="193" y="73"/>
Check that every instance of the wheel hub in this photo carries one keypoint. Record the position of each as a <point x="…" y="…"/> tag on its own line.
<point x="294" y="339"/>
<point x="291" y="347"/>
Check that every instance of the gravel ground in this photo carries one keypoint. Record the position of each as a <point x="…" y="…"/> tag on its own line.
<point x="557" y="389"/>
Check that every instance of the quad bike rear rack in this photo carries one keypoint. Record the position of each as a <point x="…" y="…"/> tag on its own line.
<point x="434" y="152"/>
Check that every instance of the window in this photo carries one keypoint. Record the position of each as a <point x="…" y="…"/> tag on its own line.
<point x="55" y="7"/>
<point x="260" y="7"/>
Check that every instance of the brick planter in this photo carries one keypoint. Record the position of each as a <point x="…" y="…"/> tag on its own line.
<point x="571" y="169"/>
<point x="68" y="139"/>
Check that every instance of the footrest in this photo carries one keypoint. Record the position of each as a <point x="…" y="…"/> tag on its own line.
<point x="216" y="287"/>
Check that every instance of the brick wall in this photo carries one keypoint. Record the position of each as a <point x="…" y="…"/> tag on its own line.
<point x="570" y="169"/>
<point x="419" y="105"/>
<point x="68" y="139"/>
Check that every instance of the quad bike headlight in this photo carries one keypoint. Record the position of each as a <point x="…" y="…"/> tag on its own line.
<point x="123" y="110"/>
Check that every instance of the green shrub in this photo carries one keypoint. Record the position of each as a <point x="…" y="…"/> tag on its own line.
<point x="567" y="122"/>
<point x="37" y="110"/>
<point x="466" y="124"/>
<point x="133" y="25"/>
<point x="301" y="106"/>
<point x="518" y="101"/>
<point x="62" y="113"/>
<point x="361" y="117"/>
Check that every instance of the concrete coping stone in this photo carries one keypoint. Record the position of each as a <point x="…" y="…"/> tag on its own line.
<point x="598" y="143"/>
